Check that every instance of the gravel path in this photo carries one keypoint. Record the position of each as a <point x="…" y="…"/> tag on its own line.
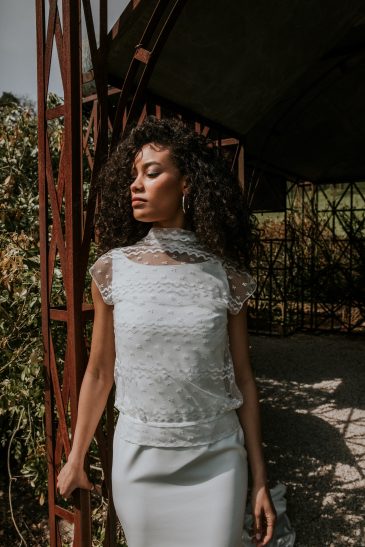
<point x="312" y="397"/>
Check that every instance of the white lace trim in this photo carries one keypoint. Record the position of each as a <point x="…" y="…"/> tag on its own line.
<point x="173" y="247"/>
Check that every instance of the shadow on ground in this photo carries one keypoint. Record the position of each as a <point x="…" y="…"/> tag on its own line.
<point x="313" y="421"/>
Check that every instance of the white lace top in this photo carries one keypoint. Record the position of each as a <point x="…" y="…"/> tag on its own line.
<point x="174" y="375"/>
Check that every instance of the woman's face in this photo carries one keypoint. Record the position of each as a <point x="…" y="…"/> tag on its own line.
<point x="159" y="183"/>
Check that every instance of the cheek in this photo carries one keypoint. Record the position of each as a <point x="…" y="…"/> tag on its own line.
<point x="165" y="192"/>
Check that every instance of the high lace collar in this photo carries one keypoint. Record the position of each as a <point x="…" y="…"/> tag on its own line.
<point x="159" y="234"/>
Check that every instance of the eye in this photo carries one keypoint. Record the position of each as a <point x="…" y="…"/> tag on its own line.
<point x="152" y="175"/>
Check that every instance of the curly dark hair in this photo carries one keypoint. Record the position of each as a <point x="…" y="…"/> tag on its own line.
<point x="217" y="210"/>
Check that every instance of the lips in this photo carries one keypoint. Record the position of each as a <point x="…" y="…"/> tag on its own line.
<point x="136" y="200"/>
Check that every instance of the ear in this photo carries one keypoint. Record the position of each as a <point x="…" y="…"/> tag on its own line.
<point x="185" y="183"/>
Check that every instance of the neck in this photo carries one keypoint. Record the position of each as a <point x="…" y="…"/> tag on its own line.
<point x="176" y="228"/>
<point x="170" y="226"/>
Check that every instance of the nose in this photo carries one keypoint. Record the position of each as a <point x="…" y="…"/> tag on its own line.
<point x="135" y="184"/>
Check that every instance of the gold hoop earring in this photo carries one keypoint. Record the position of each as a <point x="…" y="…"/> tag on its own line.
<point x="184" y="204"/>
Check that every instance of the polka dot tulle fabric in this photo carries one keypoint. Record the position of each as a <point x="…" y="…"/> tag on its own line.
<point x="174" y="375"/>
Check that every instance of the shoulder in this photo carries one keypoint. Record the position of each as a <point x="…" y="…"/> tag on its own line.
<point x="241" y="284"/>
<point x="103" y="261"/>
<point x="102" y="273"/>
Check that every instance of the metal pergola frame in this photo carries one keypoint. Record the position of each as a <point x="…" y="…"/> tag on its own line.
<point x="66" y="223"/>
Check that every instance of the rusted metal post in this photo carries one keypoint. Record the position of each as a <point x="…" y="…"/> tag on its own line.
<point x="73" y="207"/>
<point x="58" y="395"/>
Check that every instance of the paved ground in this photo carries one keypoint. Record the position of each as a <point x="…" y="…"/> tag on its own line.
<point x="312" y="397"/>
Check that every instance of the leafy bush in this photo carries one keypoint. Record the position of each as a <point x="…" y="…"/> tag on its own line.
<point x="22" y="436"/>
<point x="21" y="375"/>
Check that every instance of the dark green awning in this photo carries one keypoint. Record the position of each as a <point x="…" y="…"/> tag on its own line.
<point x="288" y="76"/>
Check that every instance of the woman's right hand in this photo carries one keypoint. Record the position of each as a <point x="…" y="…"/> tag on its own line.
<point x="95" y="388"/>
<point x="72" y="476"/>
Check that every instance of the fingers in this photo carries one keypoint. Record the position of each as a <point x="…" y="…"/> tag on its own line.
<point x="85" y="483"/>
<point x="257" y="527"/>
<point x="264" y="516"/>
<point x="65" y="487"/>
<point x="67" y="484"/>
<point x="269" y="534"/>
<point x="71" y="478"/>
<point x="264" y="528"/>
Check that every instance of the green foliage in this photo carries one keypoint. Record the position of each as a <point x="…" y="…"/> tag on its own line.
<point x="7" y="98"/>
<point x="21" y="373"/>
<point x="22" y="410"/>
<point x="21" y="355"/>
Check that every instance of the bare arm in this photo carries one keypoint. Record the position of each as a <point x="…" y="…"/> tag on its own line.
<point x="249" y="416"/>
<point x="249" y="412"/>
<point x="95" y="388"/>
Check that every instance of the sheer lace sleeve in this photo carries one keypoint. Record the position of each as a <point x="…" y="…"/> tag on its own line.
<point x="102" y="273"/>
<point x="241" y="284"/>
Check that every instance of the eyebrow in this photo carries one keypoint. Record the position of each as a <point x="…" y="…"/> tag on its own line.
<point x="151" y="163"/>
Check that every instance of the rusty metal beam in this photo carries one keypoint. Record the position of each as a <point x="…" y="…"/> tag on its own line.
<point x="142" y="64"/>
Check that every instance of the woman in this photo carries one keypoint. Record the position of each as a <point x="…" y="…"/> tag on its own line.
<point x="170" y="296"/>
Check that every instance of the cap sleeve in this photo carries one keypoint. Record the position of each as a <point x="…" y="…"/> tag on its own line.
<point x="241" y="286"/>
<point x="102" y="273"/>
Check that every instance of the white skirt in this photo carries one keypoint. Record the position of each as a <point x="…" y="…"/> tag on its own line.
<point x="181" y="496"/>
